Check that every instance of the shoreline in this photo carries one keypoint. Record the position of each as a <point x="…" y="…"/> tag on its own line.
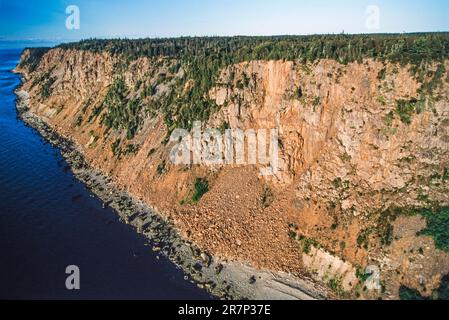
<point x="225" y="280"/>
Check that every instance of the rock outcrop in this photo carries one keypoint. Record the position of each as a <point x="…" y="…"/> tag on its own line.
<point x="355" y="142"/>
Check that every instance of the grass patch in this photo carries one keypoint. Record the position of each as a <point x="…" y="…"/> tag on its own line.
<point x="200" y="188"/>
<point x="388" y="119"/>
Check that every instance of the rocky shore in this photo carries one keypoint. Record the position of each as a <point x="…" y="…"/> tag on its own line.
<point x="225" y="280"/>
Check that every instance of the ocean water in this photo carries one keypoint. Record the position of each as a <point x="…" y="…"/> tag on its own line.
<point x="49" y="220"/>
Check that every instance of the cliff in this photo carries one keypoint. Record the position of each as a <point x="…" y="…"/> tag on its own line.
<point x="363" y="161"/>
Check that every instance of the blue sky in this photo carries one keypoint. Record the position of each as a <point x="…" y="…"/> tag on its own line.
<point x="45" y="19"/>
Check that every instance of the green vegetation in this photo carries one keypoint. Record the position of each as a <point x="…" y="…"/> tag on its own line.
<point x="201" y="187"/>
<point x="161" y="168"/>
<point x="445" y="176"/>
<point x="382" y="100"/>
<point x="224" y="126"/>
<point x="443" y="290"/>
<point x="137" y="85"/>
<point x="406" y="108"/>
<point x="437" y="219"/>
<point x="338" y="183"/>
<point x="305" y="242"/>
<point x="131" y="149"/>
<point x="437" y="226"/>
<point x="336" y="286"/>
<point x="362" y="275"/>
<point x="397" y="48"/>
<point x="436" y="80"/>
<point x="442" y="293"/>
<point x="78" y="121"/>
<point x="410" y="294"/>
<point x="363" y="238"/>
<point x="46" y="81"/>
<point x="298" y="93"/>
<point x="267" y="197"/>
<point x="202" y="58"/>
<point x="151" y="152"/>
<point x="34" y="58"/>
<point x="381" y="230"/>
<point x="388" y="119"/>
<point x="382" y="74"/>
<point x="46" y="88"/>
<point x="121" y="112"/>
<point x="116" y="151"/>
<point x="384" y="227"/>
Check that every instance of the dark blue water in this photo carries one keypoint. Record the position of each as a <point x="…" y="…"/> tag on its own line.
<point x="49" y="220"/>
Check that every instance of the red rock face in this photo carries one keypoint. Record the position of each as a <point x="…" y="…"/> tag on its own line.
<point x="345" y="158"/>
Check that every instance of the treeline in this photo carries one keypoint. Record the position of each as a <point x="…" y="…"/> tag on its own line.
<point x="402" y="48"/>
<point x="202" y="57"/>
<point x="34" y="59"/>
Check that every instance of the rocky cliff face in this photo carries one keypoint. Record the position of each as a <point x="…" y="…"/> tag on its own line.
<point x="360" y="145"/>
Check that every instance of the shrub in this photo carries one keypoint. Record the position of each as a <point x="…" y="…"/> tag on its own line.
<point x="405" y="109"/>
<point x="363" y="238"/>
<point x="298" y="93"/>
<point x="151" y="152"/>
<point x="267" y="197"/>
<point x="388" y="119"/>
<point x="336" y="286"/>
<point x="121" y="113"/>
<point x="201" y="187"/>
<point x="442" y="293"/>
<point x="161" y="168"/>
<point x="435" y="82"/>
<point x="382" y="74"/>
<point x="437" y="227"/>
<point x="409" y="294"/>
<point x="47" y="88"/>
<point x="78" y="121"/>
<point x="131" y="149"/>
<point x="116" y="147"/>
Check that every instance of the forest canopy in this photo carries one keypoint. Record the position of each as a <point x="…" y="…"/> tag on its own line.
<point x="401" y="48"/>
